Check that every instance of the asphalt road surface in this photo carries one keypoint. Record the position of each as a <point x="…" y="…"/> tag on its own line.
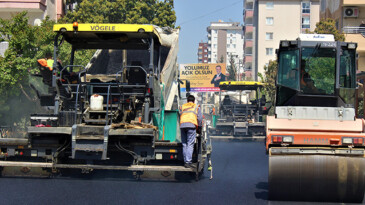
<point x="240" y="177"/>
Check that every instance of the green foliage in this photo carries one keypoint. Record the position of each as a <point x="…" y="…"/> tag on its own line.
<point x="221" y="60"/>
<point x="232" y="69"/>
<point x="27" y="43"/>
<point x="155" y="12"/>
<point x="360" y="108"/>
<point x="328" y="26"/>
<point x="269" y="80"/>
<point x="322" y="72"/>
<point x="260" y="76"/>
<point x="15" y="66"/>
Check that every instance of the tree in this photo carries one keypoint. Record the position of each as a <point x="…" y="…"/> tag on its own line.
<point x="155" y="12"/>
<point x="269" y="80"/>
<point x="328" y="26"/>
<point x="19" y="59"/>
<point x="221" y="60"/>
<point x="232" y="68"/>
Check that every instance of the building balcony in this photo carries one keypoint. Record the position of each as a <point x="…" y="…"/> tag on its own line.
<point x="248" y="44"/>
<point x="353" y="3"/>
<point x="353" y="30"/>
<point x="249" y="13"/>
<point x="248" y="58"/>
<point x="21" y="5"/>
<point x="249" y="21"/>
<point x="249" y="29"/>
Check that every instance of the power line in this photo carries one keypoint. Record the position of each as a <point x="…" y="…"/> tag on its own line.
<point x="207" y="14"/>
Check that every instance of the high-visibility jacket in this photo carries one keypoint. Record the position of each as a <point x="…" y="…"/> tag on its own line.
<point x="46" y="63"/>
<point x="50" y="63"/>
<point x="189" y="113"/>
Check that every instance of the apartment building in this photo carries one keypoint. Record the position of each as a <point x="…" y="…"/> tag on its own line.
<point x="349" y="15"/>
<point x="250" y="19"/>
<point x="225" y="39"/>
<point x="280" y="20"/>
<point x="37" y="9"/>
<point x="203" y="52"/>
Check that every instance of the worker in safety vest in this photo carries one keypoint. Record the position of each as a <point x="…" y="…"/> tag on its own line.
<point x="46" y="62"/>
<point x="190" y="122"/>
<point x="46" y="68"/>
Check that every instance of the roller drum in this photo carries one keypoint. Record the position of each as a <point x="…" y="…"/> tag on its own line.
<point x="316" y="178"/>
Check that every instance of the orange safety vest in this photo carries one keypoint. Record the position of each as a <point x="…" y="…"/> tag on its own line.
<point x="44" y="63"/>
<point x="189" y="113"/>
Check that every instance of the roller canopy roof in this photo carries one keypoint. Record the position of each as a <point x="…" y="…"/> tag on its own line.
<point x="108" y="36"/>
<point x="240" y="85"/>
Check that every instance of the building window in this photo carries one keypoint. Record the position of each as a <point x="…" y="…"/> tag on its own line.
<point x="269" y="36"/>
<point x="215" y="39"/>
<point x="234" y="45"/>
<point x="214" y="45"/>
<point x="306" y="7"/>
<point x="306" y="22"/>
<point x="269" y="51"/>
<point x="269" y="20"/>
<point x="234" y="39"/>
<point x="228" y="45"/>
<point x="269" y="5"/>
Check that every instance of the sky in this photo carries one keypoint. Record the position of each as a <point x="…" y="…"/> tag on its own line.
<point x="194" y="16"/>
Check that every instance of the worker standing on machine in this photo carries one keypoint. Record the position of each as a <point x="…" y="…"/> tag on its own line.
<point x="46" y="68"/>
<point x="190" y="124"/>
<point x="46" y="62"/>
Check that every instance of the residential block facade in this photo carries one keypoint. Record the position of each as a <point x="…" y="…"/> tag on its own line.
<point x="281" y="20"/>
<point x="225" y="39"/>
<point x="349" y="15"/>
<point x="203" y="52"/>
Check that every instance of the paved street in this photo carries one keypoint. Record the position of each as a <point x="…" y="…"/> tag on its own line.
<point x="240" y="177"/>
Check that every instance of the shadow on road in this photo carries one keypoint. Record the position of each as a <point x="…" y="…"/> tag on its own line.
<point x="262" y="194"/>
<point x="236" y="139"/>
<point x="107" y="175"/>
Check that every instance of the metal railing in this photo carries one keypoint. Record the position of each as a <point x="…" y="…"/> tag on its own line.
<point x="353" y="30"/>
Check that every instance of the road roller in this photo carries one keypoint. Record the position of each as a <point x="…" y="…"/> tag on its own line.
<point x="315" y="143"/>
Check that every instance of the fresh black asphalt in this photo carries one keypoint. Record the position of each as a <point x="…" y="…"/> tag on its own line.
<point x="240" y="172"/>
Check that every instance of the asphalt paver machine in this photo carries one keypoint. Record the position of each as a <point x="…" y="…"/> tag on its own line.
<point x="119" y="112"/>
<point x="316" y="145"/>
<point x="240" y="117"/>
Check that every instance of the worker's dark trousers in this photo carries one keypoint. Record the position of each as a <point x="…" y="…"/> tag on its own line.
<point x="188" y="139"/>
